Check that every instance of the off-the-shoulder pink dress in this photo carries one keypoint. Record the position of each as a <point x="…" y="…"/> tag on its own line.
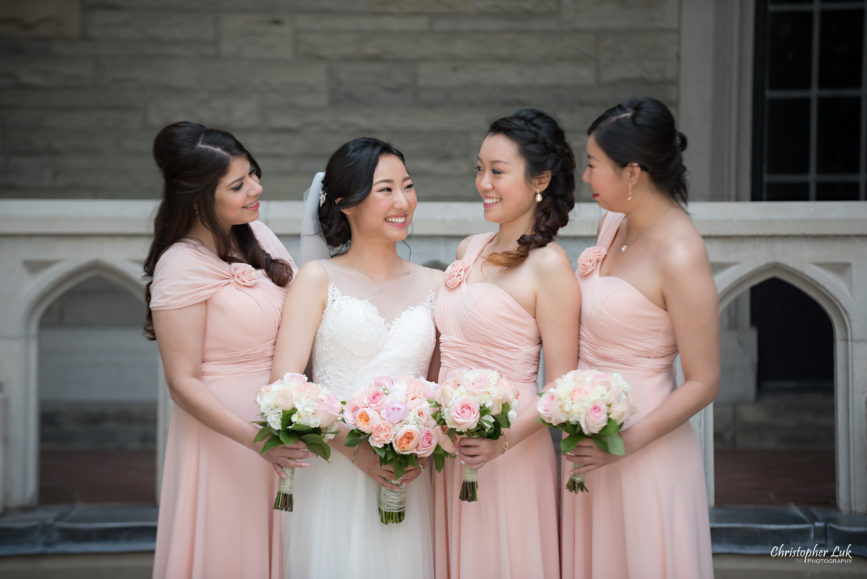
<point x="511" y="532"/>
<point x="645" y="515"/>
<point x="215" y="516"/>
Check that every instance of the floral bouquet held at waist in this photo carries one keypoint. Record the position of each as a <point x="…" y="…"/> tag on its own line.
<point x="587" y="404"/>
<point x="396" y="417"/>
<point x="477" y="402"/>
<point x="296" y="410"/>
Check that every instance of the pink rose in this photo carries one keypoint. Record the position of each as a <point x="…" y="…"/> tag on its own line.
<point x="349" y="411"/>
<point x="406" y="440"/>
<point x="375" y="399"/>
<point x="427" y="442"/>
<point x="590" y="259"/>
<point x="577" y="393"/>
<point x="381" y="434"/>
<point x="595" y="418"/>
<point x="443" y="439"/>
<point x="394" y="411"/>
<point x="244" y="274"/>
<point x="456" y="273"/>
<point x="465" y="414"/>
<point x="381" y="382"/>
<point x="546" y="406"/>
<point x="328" y="410"/>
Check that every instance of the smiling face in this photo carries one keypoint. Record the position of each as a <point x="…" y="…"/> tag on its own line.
<point x="501" y="180"/>
<point x="608" y="181"/>
<point x="236" y="198"/>
<point x="387" y="211"/>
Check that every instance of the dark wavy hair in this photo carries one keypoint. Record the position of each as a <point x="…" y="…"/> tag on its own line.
<point x="192" y="159"/>
<point x="542" y="144"/>
<point x="348" y="181"/>
<point x="642" y="131"/>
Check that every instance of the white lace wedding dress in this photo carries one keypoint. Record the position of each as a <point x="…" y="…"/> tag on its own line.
<point x="367" y="330"/>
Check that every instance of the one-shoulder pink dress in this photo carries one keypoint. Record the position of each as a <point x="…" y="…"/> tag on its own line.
<point x="511" y="531"/>
<point x="215" y="517"/>
<point x="646" y="515"/>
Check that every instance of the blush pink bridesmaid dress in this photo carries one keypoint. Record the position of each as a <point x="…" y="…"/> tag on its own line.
<point x="511" y="531"/>
<point x="646" y="515"/>
<point x="215" y="517"/>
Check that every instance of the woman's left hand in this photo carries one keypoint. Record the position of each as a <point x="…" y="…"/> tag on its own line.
<point x="476" y="452"/>
<point x="588" y="455"/>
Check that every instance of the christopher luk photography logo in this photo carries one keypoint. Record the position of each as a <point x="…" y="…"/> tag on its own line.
<point x="815" y="554"/>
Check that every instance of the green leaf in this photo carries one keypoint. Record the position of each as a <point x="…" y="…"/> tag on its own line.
<point x="354" y="438"/>
<point x="503" y="416"/>
<point x="610" y="429"/>
<point x="288" y="439"/>
<point x="612" y="444"/>
<point x="439" y="461"/>
<point x="272" y="442"/>
<point x="399" y="468"/>
<point x="317" y="445"/>
<point x="570" y="442"/>
<point x="262" y="434"/>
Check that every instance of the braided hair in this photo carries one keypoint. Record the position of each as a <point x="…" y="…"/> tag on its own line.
<point x="542" y="144"/>
<point x="642" y="131"/>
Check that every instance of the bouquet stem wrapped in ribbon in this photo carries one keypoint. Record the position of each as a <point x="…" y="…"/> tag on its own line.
<point x="295" y="410"/>
<point x="587" y="404"/>
<point x="395" y="416"/>
<point x="476" y="402"/>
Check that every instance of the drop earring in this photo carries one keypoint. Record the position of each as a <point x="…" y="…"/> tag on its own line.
<point x="538" y="196"/>
<point x="629" y="196"/>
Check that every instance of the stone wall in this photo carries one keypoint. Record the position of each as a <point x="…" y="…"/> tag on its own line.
<point x="86" y="84"/>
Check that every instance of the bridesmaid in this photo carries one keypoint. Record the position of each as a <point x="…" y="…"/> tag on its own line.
<point x="218" y="280"/>
<point x="510" y="293"/>
<point x="647" y="300"/>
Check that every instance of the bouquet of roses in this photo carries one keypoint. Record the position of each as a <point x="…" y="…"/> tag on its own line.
<point x="295" y="409"/>
<point x="477" y="402"/>
<point x="396" y="417"/>
<point x="587" y="404"/>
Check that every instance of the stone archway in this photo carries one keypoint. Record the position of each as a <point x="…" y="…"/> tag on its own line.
<point x="35" y="297"/>
<point x="825" y="286"/>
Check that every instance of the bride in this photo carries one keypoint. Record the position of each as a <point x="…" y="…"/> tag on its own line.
<point x="362" y="314"/>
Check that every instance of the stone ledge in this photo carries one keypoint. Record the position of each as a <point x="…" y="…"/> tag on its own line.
<point x="132" y="528"/>
<point x="96" y="217"/>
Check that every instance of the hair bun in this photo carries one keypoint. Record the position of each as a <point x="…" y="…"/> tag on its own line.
<point x="681" y="141"/>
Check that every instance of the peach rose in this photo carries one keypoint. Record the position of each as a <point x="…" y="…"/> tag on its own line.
<point x="456" y="273"/>
<point x="590" y="259"/>
<point x="595" y="418"/>
<point x="366" y="420"/>
<point x="244" y="274"/>
<point x="406" y="440"/>
<point x="381" y="434"/>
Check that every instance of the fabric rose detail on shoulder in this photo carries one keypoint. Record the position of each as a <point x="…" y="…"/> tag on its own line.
<point x="244" y="274"/>
<point x="590" y="259"/>
<point x="456" y="273"/>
